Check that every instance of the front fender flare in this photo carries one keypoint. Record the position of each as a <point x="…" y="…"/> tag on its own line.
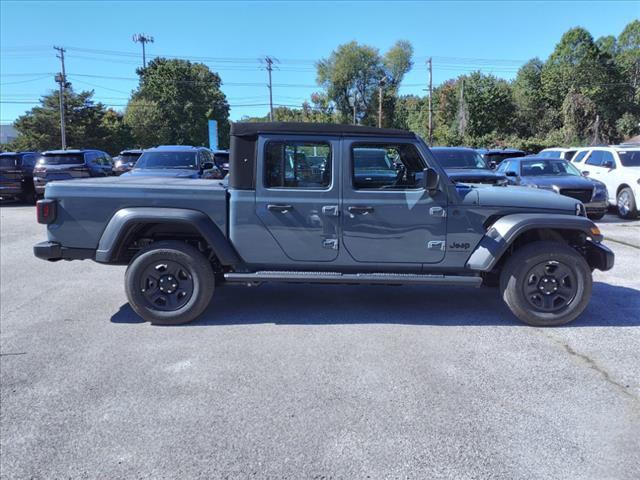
<point x="125" y="219"/>
<point x="506" y="229"/>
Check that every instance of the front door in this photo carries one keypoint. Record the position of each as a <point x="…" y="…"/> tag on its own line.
<point x="297" y="197"/>
<point x="388" y="217"/>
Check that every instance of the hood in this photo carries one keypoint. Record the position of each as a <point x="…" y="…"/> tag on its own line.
<point x="557" y="182"/>
<point x="525" y="197"/>
<point x="158" y="172"/>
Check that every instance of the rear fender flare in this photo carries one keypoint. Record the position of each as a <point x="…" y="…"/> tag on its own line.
<point x="127" y="218"/>
<point x="508" y="228"/>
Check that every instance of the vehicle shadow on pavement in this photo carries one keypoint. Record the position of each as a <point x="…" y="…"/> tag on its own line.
<point x="610" y="305"/>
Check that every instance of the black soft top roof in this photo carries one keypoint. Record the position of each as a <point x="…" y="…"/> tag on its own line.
<point x="251" y="129"/>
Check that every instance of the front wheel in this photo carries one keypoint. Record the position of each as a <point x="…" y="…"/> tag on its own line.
<point x="169" y="283"/>
<point x="546" y="284"/>
<point x="626" y="204"/>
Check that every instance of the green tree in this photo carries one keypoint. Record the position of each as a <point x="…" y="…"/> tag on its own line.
<point x="173" y="102"/>
<point x="528" y="99"/>
<point x="628" y="61"/>
<point x="87" y="124"/>
<point x="354" y="73"/>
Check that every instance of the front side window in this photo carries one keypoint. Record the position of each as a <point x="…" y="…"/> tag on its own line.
<point x="297" y="165"/>
<point x="386" y="166"/>
<point x="502" y="168"/>
<point x="550" y="154"/>
<point x="607" y="158"/>
<point x="595" y="159"/>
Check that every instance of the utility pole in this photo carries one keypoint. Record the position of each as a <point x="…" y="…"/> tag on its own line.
<point x="355" y="103"/>
<point x="269" y="66"/>
<point x="380" y="103"/>
<point x="462" y="112"/>
<point x="430" y="64"/>
<point x="143" y="38"/>
<point x="61" y="78"/>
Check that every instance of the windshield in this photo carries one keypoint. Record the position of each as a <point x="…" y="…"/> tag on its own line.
<point x="9" y="161"/>
<point x="62" y="159"/>
<point x="459" y="159"/>
<point x="630" y="158"/>
<point x="535" y="168"/>
<point x="159" y="160"/>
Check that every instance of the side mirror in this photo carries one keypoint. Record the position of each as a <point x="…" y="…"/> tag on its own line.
<point x="607" y="164"/>
<point x="207" y="166"/>
<point x="585" y="173"/>
<point x="510" y="173"/>
<point x="492" y="164"/>
<point x="431" y="179"/>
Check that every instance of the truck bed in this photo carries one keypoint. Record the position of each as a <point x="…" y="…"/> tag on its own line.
<point x="87" y="205"/>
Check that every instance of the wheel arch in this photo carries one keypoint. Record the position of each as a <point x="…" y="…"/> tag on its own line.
<point x="129" y="224"/>
<point x="511" y="232"/>
<point x="621" y="187"/>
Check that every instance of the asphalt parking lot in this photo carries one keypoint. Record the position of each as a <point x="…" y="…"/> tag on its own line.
<point x="322" y="382"/>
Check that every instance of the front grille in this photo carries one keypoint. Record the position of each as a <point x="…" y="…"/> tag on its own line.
<point x="584" y="195"/>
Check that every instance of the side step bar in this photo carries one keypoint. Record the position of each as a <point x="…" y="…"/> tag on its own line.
<point x="355" y="278"/>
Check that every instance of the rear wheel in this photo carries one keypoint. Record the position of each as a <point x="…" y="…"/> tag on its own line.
<point x="169" y="283"/>
<point x="626" y="204"/>
<point x="596" y="216"/>
<point x="546" y="283"/>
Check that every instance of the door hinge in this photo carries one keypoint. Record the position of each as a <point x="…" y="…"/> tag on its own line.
<point x="437" y="212"/>
<point x="331" y="210"/>
<point x="436" y="245"/>
<point x="331" y="243"/>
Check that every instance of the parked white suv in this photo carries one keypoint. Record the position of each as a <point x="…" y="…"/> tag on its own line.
<point x="618" y="167"/>
<point x="557" y="152"/>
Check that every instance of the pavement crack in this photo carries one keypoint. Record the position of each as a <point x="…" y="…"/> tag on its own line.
<point x="588" y="361"/>
<point x="622" y="242"/>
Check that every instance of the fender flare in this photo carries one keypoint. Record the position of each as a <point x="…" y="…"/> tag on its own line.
<point x="125" y="219"/>
<point x="506" y="229"/>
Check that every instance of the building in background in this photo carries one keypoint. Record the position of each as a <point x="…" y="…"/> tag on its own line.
<point x="7" y="133"/>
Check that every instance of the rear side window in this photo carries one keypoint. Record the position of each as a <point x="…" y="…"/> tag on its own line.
<point x="297" y="165"/>
<point x="386" y="166"/>
<point x="62" y="159"/>
<point x="550" y="154"/>
<point x="630" y="158"/>
<point x="578" y="157"/>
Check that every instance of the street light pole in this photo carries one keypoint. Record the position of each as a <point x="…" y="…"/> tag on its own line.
<point x="61" y="78"/>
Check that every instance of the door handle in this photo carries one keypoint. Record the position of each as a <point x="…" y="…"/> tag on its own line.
<point x="360" y="210"/>
<point x="279" y="208"/>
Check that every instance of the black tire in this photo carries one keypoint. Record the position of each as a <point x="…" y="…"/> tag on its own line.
<point x="626" y="204"/>
<point x="169" y="283"/>
<point x="530" y="275"/>
<point x="596" y="216"/>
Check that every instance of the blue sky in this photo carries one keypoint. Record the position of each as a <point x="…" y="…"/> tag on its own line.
<point x="495" y="37"/>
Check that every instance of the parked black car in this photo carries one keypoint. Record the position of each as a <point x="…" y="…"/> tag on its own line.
<point x="466" y="165"/>
<point x="16" y="176"/>
<point x="559" y="176"/>
<point x="125" y="161"/>
<point x="181" y="161"/>
<point x="70" y="164"/>
<point x="496" y="156"/>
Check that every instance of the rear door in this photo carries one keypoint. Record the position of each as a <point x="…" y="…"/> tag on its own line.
<point x="297" y="197"/>
<point x="387" y="216"/>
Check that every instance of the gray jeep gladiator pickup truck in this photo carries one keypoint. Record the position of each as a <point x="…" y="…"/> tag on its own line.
<point x="333" y="204"/>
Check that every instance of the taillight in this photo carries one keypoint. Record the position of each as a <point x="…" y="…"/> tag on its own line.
<point x="46" y="211"/>
<point x="40" y="170"/>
